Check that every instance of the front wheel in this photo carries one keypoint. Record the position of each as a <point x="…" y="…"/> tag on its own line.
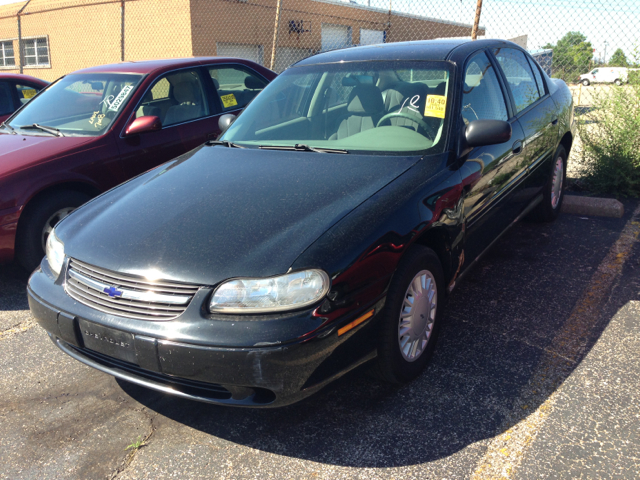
<point x="549" y="208"/>
<point x="586" y="82"/>
<point x="411" y="317"/>
<point x="38" y="221"/>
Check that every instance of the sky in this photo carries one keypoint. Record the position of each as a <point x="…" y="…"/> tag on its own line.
<point x="616" y="22"/>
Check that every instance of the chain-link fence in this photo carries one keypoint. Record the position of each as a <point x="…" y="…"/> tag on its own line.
<point x="570" y="38"/>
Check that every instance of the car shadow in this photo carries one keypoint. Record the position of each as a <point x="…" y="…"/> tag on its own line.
<point x="499" y="329"/>
<point x="13" y="288"/>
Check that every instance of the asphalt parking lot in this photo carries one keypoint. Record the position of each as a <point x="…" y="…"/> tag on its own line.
<point x="536" y="376"/>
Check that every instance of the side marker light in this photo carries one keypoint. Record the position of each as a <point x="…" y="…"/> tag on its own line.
<point x="356" y="322"/>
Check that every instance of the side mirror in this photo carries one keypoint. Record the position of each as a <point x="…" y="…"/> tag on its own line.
<point x="225" y="122"/>
<point x="487" y="132"/>
<point x="148" y="123"/>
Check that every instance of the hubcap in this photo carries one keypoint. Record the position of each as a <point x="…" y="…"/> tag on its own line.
<point x="53" y="219"/>
<point x="417" y="315"/>
<point x="556" y="186"/>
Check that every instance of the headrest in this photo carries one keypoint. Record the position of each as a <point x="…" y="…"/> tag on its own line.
<point x="184" y="92"/>
<point x="253" y="83"/>
<point x="365" y="99"/>
<point x="438" y="89"/>
<point x="216" y="83"/>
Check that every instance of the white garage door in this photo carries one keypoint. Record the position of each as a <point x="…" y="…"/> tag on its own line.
<point x="335" y="36"/>
<point x="286" y="56"/>
<point x="239" y="50"/>
<point x="371" y="37"/>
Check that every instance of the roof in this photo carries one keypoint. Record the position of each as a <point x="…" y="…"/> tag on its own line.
<point x="434" y="50"/>
<point x="18" y="77"/>
<point x="149" y="66"/>
<point x="415" y="50"/>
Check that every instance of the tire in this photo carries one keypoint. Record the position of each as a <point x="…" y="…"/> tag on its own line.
<point x="553" y="195"/>
<point x="393" y="364"/>
<point x="38" y="220"/>
<point x="586" y="82"/>
<point x="618" y="82"/>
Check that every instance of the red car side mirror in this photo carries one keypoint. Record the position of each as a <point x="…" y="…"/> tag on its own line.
<point x="148" y="123"/>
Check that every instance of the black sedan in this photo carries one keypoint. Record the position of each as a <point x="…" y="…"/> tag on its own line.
<point x="322" y="231"/>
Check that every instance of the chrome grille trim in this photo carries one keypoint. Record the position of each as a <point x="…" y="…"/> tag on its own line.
<point x="134" y="297"/>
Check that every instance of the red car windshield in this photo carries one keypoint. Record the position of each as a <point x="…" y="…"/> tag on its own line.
<point x="80" y="104"/>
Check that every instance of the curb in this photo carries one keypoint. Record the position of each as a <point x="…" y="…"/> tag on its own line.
<point x="592" y="206"/>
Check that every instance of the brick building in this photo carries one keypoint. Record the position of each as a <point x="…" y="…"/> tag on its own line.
<point x="59" y="36"/>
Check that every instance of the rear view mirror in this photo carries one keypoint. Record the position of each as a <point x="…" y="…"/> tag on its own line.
<point x="148" y="123"/>
<point x="225" y="122"/>
<point x="487" y="132"/>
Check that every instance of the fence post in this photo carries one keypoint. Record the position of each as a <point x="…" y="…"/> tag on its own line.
<point x="20" y="48"/>
<point x="122" y="30"/>
<point x="275" y="35"/>
<point x="476" y="21"/>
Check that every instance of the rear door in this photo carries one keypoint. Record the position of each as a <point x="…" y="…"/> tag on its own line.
<point x="536" y="112"/>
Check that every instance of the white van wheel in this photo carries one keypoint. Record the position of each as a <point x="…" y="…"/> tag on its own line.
<point x="586" y="82"/>
<point x="618" y="82"/>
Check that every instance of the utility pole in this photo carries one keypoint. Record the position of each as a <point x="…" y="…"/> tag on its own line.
<point x="275" y="36"/>
<point x="20" y="47"/>
<point x="604" y="60"/>
<point x="476" y="21"/>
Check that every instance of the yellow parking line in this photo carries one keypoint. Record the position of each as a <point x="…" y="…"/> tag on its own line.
<point x="505" y="451"/>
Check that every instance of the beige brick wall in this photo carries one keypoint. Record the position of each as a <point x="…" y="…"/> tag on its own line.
<point x="83" y="33"/>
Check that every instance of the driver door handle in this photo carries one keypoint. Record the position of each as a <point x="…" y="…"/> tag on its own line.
<point x="517" y="147"/>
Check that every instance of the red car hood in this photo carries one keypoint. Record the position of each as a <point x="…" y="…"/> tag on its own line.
<point x="18" y="152"/>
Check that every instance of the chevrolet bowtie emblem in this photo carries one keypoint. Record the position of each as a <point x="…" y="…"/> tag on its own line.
<point x="113" y="292"/>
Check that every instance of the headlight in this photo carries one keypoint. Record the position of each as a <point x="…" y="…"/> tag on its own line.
<point x="260" y="295"/>
<point x="55" y="252"/>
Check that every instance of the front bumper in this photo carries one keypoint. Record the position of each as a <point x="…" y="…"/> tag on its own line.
<point x="170" y="357"/>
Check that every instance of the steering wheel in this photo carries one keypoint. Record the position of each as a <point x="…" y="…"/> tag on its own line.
<point x="409" y="115"/>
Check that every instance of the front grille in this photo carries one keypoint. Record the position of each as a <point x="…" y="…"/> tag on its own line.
<point x="127" y="295"/>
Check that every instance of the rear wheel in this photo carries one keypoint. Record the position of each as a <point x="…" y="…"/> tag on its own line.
<point x="549" y="208"/>
<point x="618" y="82"/>
<point x="38" y="221"/>
<point x="411" y="317"/>
<point x="586" y="82"/>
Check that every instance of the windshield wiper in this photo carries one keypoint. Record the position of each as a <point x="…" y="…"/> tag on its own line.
<point x="301" y="147"/>
<point x="44" y="128"/>
<point x="225" y="143"/>
<point x="9" y="127"/>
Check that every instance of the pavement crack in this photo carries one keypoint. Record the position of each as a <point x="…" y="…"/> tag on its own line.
<point x="17" y="328"/>
<point x="131" y="453"/>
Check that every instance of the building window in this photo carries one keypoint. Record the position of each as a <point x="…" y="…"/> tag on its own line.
<point x="7" y="57"/>
<point x="36" y="52"/>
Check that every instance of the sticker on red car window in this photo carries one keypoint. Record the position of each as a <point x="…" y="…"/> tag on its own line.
<point x="119" y="100"/>
<point x="30" y="93"/>
<point x="96" y="119"/>
<point x="229" y="100"/>
<point x="435" y="106"/>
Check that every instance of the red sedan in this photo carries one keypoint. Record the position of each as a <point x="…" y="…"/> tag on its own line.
<point x="95" y="128"/>
<point x="16" y="90"/>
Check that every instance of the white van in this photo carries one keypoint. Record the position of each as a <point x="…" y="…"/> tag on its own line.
<point x="617" y="75"/>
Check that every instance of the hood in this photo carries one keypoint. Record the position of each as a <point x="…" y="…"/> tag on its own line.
<point x="21" y="151"/>
<point x="218" y="212"/>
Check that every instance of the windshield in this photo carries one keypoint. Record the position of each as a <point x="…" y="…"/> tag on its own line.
<point x="81" y="104"/>
<point x="377" y="107"/>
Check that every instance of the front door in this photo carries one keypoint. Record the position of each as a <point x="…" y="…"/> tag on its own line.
<point x="181" y="100"/>
<point x="489" y="173"/>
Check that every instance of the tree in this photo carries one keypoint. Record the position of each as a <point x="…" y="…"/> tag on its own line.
<point x="618" y="59"/>
<point x="572" y="55"/>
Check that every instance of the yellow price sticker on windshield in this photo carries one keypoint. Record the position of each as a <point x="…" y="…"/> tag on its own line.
<point x="229" y="100"/>
<point x="435" y="106"/>
<point x="28" y="93"/>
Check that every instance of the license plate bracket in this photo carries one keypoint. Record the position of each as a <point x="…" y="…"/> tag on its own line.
<point x="108" y="341"/>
